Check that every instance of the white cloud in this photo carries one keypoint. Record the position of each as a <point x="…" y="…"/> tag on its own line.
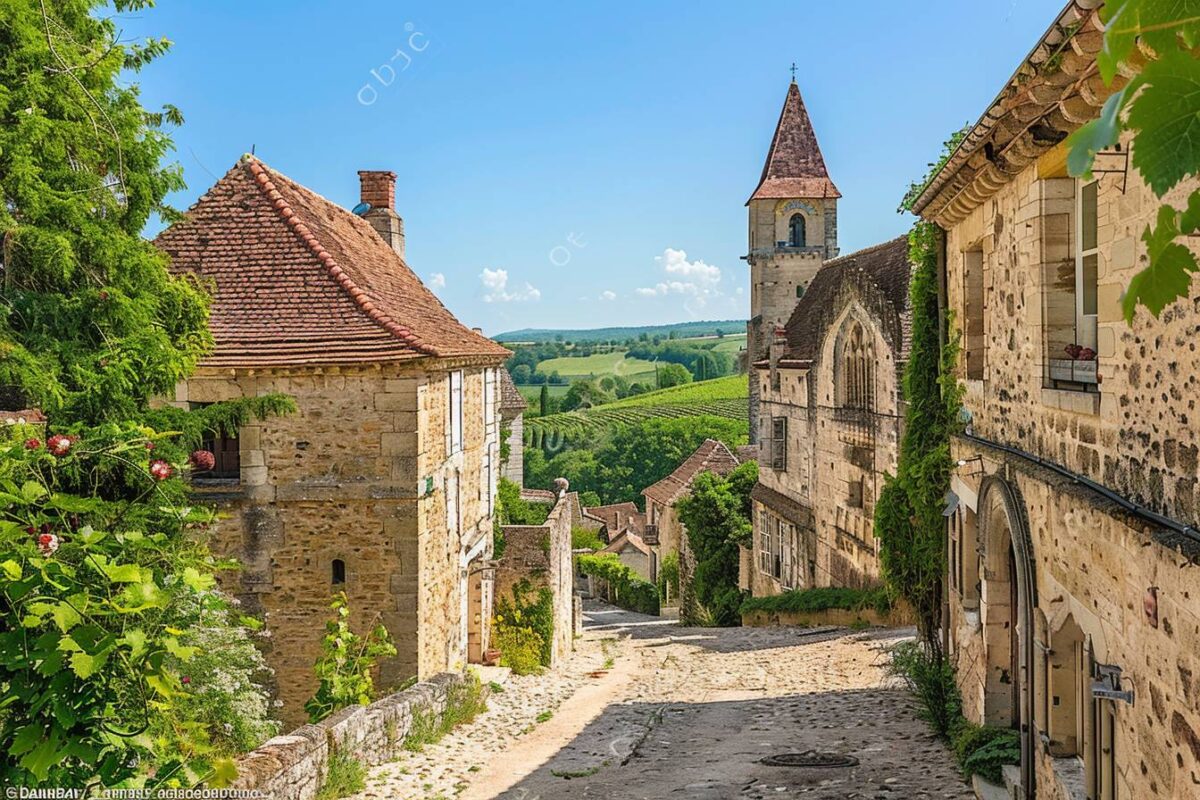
<point x="437" y="281"/>
<point x="695" y="279"/>
<point x="608" y="295"/>
<point x="495" y="284"/>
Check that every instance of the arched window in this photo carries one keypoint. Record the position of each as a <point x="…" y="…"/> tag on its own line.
<point x="858" y="370"/>
<point x="796" y="232"/>
<point x="338" y="571"/>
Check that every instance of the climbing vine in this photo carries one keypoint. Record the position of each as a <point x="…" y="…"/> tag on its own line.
<point x="908" y="516"/>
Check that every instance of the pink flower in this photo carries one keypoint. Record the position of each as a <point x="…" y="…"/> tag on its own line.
<point x="60" y="445"/>
<point x="149" y="445"/>
<point x="1073" y="350"/>
<point x="160" y="470"/>
<point x="202" y="460"/>
<point x="47" y="543"/>
<point x="1087" y="354"/>
<point x="32" y="444"/>
<point x="185" y="680"/>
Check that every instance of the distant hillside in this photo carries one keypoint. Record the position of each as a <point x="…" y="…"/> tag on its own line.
<point x="682" y="330"/>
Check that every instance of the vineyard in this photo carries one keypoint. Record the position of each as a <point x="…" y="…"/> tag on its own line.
<point x="723" y="397"/>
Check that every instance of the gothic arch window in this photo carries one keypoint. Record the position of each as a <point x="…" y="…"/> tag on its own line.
<point x="337" y="572"/>
<point x="796" y="231"/>
<point x="856" y="363"/>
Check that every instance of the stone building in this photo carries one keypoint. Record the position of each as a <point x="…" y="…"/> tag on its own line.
<point x="830" y="414"/>
<point x="633" y="552"/>
<point x="382" y="484"/>
<point x="793" y="229"/>
<point x="664" y="532"/>
<point x="1074" y="589"/>
<point x="512" y="429"/>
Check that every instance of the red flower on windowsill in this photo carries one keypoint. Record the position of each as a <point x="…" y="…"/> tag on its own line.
<point x="202" y="460"/>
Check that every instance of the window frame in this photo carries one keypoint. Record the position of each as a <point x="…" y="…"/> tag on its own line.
<point x="1086" y="333"/>
<point x="455" y="413"/>
<point x="779" y="448"/>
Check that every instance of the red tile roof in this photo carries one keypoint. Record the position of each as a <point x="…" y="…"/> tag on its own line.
<point x="299" y="280"/>
<point x="794" y="166"/>
<point x="617" y="516"/>
<point x="627" y="537"/>
<point x="712" y="456"/>
<point x="511" y="400"/>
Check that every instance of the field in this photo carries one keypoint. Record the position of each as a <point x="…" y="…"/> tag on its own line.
<point x="680" y="329"/>
<point x="599" y="364"/>
<point x="722" y="397"/>
<point x="533" y="393"/>
<point x="726" y="344"/>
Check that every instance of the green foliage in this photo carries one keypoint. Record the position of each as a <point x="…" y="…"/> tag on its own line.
<point x="589" y="499"/>
<point x="523" y="628"/>
<point x="908" y="515"/>
<point x="673" y="375"/>
<point x="104" y="601"/>
<point x="345" y="664"/>
<point x="512" y="510"/>
<point x="984" y="750"/>
<point x="821" y="599"/>
<point x="668" y="576"/>
<point x="1160" y="106"/>
<point x="464" y="702"/>
<point x="626" y="588"/>
<point x="585" y="394"/>
<point x="931" y="678"/>
<point x="91" y="322"/>
<point x="586" y="539"/>
<point x="345" y="776"/>
<point x="717" y="516"/>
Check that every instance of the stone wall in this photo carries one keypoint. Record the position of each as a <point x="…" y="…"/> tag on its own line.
<point x="541" y="555"/>
<point x="1065" y="576"/>
<point x="514" y="467"/>
<point x="361" y="474"/>
<point x="293" y="766"/>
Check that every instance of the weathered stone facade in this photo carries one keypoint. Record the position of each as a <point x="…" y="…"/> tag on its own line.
<point x="1073" y="577"/>
<point x="540" y="556"/>
<point x="830" y="425"/>
<point x="382" y="483"/>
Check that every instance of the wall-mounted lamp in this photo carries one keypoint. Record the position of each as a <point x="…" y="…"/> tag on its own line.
<point x="1107" y="684"/>
<point x="962" y="462"/>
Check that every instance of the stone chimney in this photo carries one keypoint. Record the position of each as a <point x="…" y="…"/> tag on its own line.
<point x="378" y="189"/>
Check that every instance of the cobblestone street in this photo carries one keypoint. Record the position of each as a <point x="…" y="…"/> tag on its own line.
<point x="691" y="713"/>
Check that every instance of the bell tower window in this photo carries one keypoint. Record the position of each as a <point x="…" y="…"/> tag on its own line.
<point x="796" y="231"/>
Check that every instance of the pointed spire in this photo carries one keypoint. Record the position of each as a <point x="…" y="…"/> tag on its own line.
<point x="794" y="167"/>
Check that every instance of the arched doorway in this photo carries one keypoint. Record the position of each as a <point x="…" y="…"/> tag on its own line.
<point x="1008" y="598"/>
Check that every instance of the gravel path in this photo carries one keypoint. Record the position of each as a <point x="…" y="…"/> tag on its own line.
<point x="690" y="713"/>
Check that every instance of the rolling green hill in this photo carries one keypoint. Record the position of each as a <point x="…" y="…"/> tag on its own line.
<point x="681" y="330"/>
<point x="722" y="397"/>
<point x="599" y="364"/>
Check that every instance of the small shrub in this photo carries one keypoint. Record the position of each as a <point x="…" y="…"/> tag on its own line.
<point x="931" y="679"/>
<point x="984" y="751"/>
<point x="821" y="599"/>
<point x="668" y="576"/>
<point x="346" y="776"/>
<point x="585" y="539"/>
<point x="523" y="622"/>
<point x="345" y="664"/>
<point x="626" y="588"/>
<point x="520" y="648"/>
<point x="544" y="716"/>
<point x="464" y="702"/>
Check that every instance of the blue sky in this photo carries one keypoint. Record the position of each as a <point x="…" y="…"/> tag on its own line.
<point x="554" y="158"/>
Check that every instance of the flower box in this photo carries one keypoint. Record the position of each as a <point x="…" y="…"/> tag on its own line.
<point x="1074" y="370"/>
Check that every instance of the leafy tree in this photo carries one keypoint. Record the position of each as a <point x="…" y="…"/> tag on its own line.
<point x="589" y="498"/>
<point x="1159" y="106"/>
<point x="91" y="322"/>
<point x="544" y="401"/>
<point x="717" y="516"/>
<point x="521" y="374"/>
<point x="673" y="375"/>
<point x="908" y="515"/>
<point x="585" y="394"/>
<point x="346" y="663"/>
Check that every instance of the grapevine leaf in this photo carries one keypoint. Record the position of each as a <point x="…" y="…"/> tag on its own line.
<point x="1169" y="275"/>
<point x="1167" y="116"/>
<point x="25" y="739"/>
<point x="196" y="581"/>
<point x="1097" y="135"/>
<point x="85" y="665"/>
<point x="39" y="760"/>
<point x="1121" y="23"/>
<point x="1189" y="221"/>
<point x="12" y="570"/>
<point x="66" y="617"/>
<point x="123" y="573"/>
<point x="224" y="772"/>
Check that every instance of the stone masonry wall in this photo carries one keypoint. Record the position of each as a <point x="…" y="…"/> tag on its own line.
<point x="1094" y="565"/>
<point x="293" y="766"/>
<point x="541" y="555"/>
<point x="359" y="473"/>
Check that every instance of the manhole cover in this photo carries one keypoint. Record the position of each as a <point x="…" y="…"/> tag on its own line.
<point x="811" y="758"/>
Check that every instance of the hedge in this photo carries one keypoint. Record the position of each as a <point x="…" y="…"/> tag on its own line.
<point x="821" y="599"/>
<point x="626" y="588"/>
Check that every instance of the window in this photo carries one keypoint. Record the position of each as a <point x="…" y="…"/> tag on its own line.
<point x="455" y="423"/>
<point x="779" y="443"/>
<point x="338" y="572"/>
<point x="854" y="498"/>
<point x="964" y="557"/>
<point x="858" y="369"/>
<point x="226" y="452"/>
<point x="764" y="542"/>
<point x="1087" y="259"/>
<point x="974" y="329"/>
<point x="796" y="231"/>
<point x="787" y="554"/>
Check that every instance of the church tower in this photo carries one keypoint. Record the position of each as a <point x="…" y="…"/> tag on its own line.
<point x="793" y="230"/>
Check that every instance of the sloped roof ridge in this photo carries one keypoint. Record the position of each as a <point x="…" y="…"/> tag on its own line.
<point x="262" y="179"/>
<point x="837" y="262"/>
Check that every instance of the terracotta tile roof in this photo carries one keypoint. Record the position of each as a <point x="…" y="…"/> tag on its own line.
<point x="746" y="452"/>
<point x="299" y="280"/>
<point x="794" y="166"/>
<point x="712" y="456"/>
<point x="511" y="400"/>
<point x="627" y="537"/>
<point x="539" y="495"/>
<point x="617" y="516"/>
<point x="878" y="274"/>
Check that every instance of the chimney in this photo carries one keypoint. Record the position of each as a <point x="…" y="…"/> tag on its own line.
<point x="378" y="190"/>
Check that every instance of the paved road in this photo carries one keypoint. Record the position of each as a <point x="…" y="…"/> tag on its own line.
<point x="694" y="711"/>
